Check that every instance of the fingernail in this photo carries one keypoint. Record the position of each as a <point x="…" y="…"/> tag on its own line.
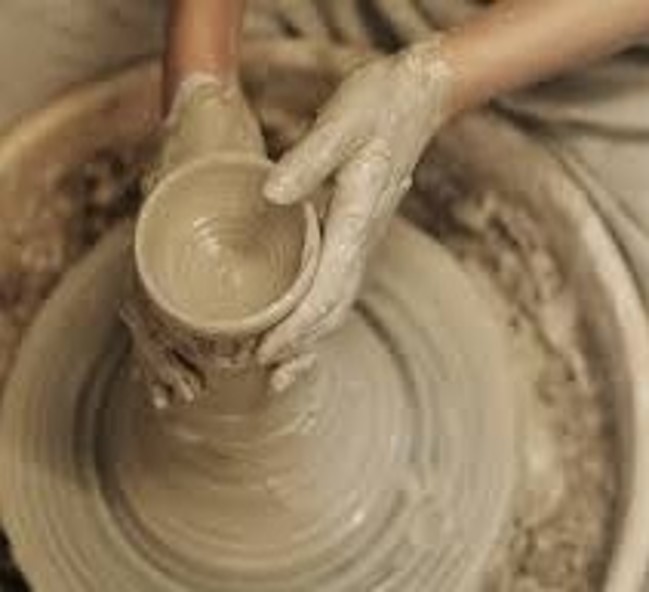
<point x="278" y="189"/>
<point x="281" y="381"/>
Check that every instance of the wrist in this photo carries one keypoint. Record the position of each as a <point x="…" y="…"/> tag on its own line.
<point x="202" y="38"/>
<point x="432" y="73"/>
<point x="224" y="88"/>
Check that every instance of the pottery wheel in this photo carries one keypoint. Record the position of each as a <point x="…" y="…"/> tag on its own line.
<point x="392" y="468"/>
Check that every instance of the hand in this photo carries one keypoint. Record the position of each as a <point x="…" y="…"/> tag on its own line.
<point x="370" y="136"/>
<point x="208" y="115"/>
<point x="207" y="111"/>
<point x="169" y="383"/>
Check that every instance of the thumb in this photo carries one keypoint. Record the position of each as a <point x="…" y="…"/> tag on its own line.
<point x="302" y="170"/>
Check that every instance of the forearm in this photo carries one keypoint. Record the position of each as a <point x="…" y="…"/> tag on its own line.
<point x="519" y="42"/>
<point x="202" y="36"/>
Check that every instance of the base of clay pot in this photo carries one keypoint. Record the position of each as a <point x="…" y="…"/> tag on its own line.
<point x="393" y="466"/>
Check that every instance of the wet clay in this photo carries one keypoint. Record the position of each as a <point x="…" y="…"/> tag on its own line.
<point x="211" y="251"/>
<point x="131" y="533"/>
<point x="568" y="488"/>
<point x="208" y="116"/>
<point x="422" y="487"/>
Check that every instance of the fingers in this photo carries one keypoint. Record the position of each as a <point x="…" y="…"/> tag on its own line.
<point x="290" y="372"/>
<point x="302" y="170"/>
<point x="347" y="237"/>
<point x="312" y="321"/>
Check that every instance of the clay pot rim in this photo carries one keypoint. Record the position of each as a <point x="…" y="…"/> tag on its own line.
<point x="251" y="324"/>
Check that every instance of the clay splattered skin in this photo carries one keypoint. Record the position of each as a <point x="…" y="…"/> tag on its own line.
<point x="370" y="136"/>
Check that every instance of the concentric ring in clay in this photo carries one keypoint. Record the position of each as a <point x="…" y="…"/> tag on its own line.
<point x="393" y="465"/>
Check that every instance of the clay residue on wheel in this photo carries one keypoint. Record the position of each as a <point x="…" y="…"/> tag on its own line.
<point x="562" y="533"/>
<point x="45" y="233"/>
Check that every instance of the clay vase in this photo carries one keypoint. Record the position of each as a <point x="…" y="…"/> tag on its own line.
<point x="216" y="264"/>
<point x="215" y="257"/>
<point x="220" y="266"/>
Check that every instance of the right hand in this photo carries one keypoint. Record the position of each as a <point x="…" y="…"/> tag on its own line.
<point x="369" y="138"/>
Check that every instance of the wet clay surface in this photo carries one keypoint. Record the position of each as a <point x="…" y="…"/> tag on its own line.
<point x="455" y="475"/>
<point x="45" y="235"/>
<point x="559" y="541"/>
<point x="212" y="249"/>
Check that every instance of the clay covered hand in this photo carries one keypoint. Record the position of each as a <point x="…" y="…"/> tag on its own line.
<point x="208" y="115"/>
<point x="370" y="136"/>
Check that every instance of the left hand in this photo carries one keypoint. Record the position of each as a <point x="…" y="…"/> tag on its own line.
<point x="209" y="115"/>
<point x="371" y="136"/>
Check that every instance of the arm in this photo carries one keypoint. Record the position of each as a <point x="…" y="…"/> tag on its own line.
<point x="206" y="110"/>
<point x="371" y="135"/>
<point x="519" y="42"/>
<point x="203" y="36"/>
